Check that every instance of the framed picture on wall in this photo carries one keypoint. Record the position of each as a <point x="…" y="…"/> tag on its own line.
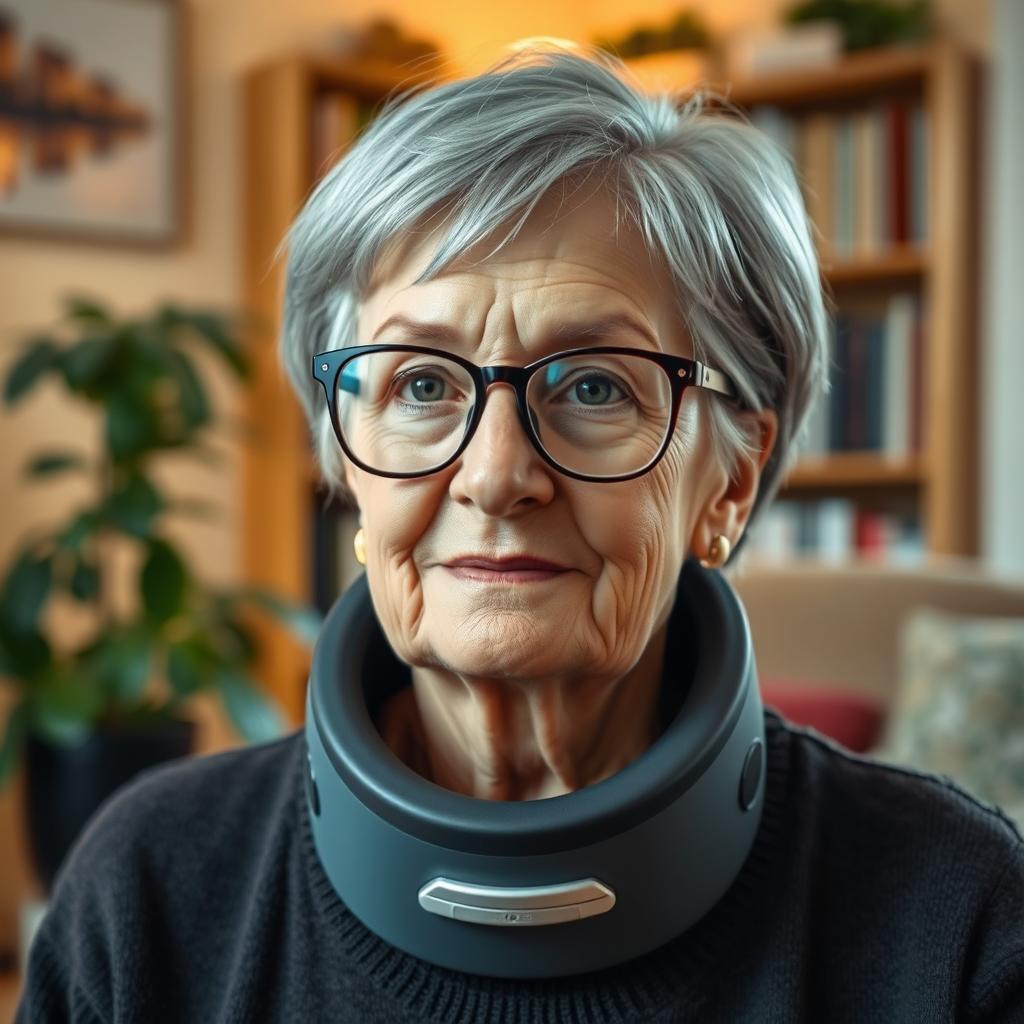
<point x="90" y="120"/>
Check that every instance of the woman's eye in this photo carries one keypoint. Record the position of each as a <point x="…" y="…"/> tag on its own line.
<point x="423" y="387"/>
<point x="597" y="389"/>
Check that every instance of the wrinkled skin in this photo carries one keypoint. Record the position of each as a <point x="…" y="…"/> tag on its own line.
<point x="524" y="691"/>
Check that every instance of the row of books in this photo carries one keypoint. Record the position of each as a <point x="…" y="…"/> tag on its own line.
<point x="863" y="172"/>
<point x="835" y="530"/>
<point x="875" y="376"/>
<point x="338" y="117"/>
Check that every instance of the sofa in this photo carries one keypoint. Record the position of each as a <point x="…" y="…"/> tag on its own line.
<point x="839" y="646"/>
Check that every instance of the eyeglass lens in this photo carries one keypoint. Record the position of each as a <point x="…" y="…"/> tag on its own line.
<point x="594" y="414"/>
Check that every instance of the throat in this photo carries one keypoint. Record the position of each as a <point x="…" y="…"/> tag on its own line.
<point x="496" y="740"/>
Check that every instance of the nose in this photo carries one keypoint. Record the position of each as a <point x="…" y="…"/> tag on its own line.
<point x="500" y="471"/>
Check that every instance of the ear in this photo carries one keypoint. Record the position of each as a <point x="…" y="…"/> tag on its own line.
<point x="727" y="509"/>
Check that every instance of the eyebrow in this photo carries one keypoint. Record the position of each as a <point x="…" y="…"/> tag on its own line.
<point x="603" y="327"/>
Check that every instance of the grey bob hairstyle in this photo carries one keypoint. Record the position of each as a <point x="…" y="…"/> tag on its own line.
<point x="714" y="197"/>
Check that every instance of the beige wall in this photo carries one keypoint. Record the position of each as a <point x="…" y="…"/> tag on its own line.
<point x="225" y="37"/>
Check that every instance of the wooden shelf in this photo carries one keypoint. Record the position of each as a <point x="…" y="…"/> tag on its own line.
<point x="855" y="469"/>
<point x="903" y="265"/>
<point x="373" y="79"/>
<point x="856" y="76"/>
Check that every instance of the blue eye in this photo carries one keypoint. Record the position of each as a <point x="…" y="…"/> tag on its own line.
<point x="596" y="389"/>
<point x="426" y="388"/>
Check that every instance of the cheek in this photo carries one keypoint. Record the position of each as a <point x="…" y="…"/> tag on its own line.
<point x="636" y="527"/>
<point x="396" y="514"/>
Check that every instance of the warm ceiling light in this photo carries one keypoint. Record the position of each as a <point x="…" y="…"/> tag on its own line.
<point x="564" y="44"/>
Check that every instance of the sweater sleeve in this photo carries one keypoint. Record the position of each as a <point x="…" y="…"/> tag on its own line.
<point x="83" y="948"/>
<point x="994" y="991"/>
<point x="49" y="996"/>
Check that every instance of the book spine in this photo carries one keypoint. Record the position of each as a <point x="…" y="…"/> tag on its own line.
<point x="855" y="427"/>
<point x="865" y="191"/>
<point x="897" y="384"/>
<point x="873" y="366"/>
<point x="839" y="391"/>
<point x="898" y="212"/>
<point x="816" y="148"/>
<point x="918" y="172"/>
<point x="843" y="186"/>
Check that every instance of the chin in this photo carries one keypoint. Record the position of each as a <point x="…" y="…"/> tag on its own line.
<point x="509" y="656"/>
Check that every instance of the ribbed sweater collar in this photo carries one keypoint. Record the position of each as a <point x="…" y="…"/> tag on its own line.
<point x="676" y="974"/>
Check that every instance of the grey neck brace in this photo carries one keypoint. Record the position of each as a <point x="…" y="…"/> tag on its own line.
<point x="551" y="887"/>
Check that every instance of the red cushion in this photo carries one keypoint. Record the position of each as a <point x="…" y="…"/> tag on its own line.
<point x="852" y="719"/>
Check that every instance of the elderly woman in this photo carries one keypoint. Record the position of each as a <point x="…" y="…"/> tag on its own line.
<point x="564" y="336"/>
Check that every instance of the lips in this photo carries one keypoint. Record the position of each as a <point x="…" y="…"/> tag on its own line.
<point x="511" y="564"/>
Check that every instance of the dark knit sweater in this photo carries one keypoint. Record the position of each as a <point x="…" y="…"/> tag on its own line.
<point x="872" y="894"/>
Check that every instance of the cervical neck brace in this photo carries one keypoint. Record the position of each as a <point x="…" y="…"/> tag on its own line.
<point x="551" y="887"/>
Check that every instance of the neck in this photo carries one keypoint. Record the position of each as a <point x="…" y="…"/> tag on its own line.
<point x="497" y="739"/>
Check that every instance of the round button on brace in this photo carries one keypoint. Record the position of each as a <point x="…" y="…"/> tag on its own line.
<point x="750" y="777"/>
<point x="312" y="793"/>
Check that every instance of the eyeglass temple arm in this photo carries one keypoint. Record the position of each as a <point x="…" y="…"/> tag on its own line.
<point x="715" y="380"/>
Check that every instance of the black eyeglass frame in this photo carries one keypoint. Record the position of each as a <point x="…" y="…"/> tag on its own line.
<point x="682" y="373"/>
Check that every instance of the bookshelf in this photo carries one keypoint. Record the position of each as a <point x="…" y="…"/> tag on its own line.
<point x="896" y="214"/>
<point x="300" y="110"/>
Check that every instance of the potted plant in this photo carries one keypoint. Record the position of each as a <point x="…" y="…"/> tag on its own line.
<point x="88" y="718"/>
<point x="679" y="52"/>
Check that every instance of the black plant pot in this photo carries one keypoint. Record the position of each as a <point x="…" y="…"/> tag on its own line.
<point x="65" y="785"/>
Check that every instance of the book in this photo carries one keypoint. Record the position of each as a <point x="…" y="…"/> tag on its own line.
<point x="817" y="152"/>
<point x="898" y="233"/>
<point x="869" y="176"/>
<point x="897" y="375"/>
<point x="918" y="175"/>
<point x="843" y="185"/>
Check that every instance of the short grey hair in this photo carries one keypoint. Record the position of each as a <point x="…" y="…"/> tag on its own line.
<point x="713" y="195"/>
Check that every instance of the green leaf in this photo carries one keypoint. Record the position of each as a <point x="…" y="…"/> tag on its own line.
<point x="39" y="357"/>
<point x="134" y="505"/>
<point x="87" y="365"/>
<point x="237" y="642"/>
<point x="85" y="580"/>
<point x="122" y="663"/>
<point x="195" y="406"/>
<point x="64" y="706"/>
<point x="302" y="619"/>
<point x="255" y="716"/>
<point x="164" y="581"/>
<point x="55" y="462"/>
<point x="132" y="427"/>
<point x="86" y="311"/>
<point x="214" y="330"/>
<point x="190" y="665"/>
<point x="25" y="590"/>
<point x="14" y="738"/>
<point x="23" y="655"/>
<point x="78" y="530"/>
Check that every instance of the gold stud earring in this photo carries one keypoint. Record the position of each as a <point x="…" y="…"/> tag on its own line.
<point x="718" y="553"/>
<point x="359" y="544"/>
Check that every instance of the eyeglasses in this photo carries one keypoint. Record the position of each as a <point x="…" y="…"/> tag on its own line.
<point x="600" y="414"/>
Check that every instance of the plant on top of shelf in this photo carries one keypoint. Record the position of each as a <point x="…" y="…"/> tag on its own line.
<point x="185" y="637"/>
<point x="867" y="23"/>
<point x="686" y="31"/>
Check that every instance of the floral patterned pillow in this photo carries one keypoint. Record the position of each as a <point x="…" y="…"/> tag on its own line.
<point x="959" y="706"/>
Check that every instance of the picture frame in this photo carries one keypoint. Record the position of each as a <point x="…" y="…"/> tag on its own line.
<point x="91" y="121"/>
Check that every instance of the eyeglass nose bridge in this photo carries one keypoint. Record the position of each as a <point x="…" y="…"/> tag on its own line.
<point x="516" y="377"/>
